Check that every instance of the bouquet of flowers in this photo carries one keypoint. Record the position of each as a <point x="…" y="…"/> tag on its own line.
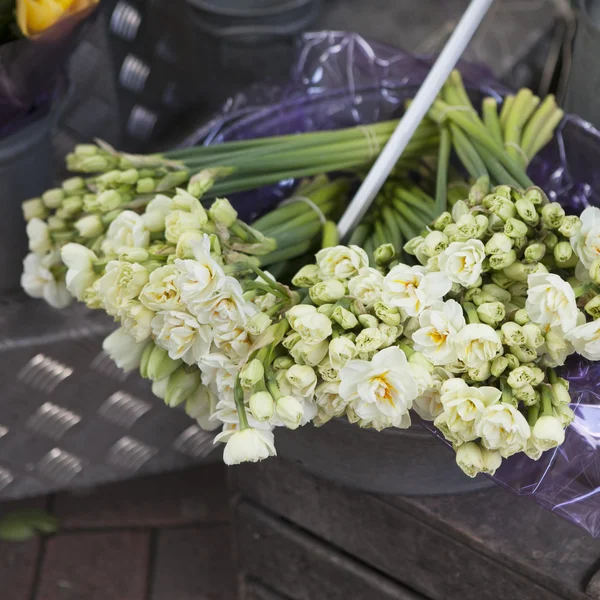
<point x="36" y="38"/>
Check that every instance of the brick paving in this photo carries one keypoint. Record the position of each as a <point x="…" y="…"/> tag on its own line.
<point x="165" y="537"/>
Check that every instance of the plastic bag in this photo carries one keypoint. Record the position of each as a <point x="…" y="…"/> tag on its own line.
<point x="32" y="73"/>
<point x="341" y="79"/>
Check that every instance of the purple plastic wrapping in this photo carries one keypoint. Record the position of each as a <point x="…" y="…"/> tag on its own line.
<point x="342" y="79"/>
<point x="32" y="73"/>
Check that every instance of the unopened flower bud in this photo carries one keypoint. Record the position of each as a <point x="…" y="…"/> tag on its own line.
<point x="527" y="212"/>
<point x="498" y="293"/>
<point x="90" y="226"/>
<point x="533" y="335"/>
<point x="283" y="363"/>
<point x="570" y="225"/>
<point x="251" y="374"/>
<point x="592" y="307"/>
<point x="384" y="254"/>
<point x="515" y="228"/>
<point x="467" y="226"/>
<point x="523" y="353"/>
<point x="367" y="320"/>
<point x="499" y="262"/>
<point x="512" y="334"/>
<point x="469" y="458"/>
<point x="564" y="414"/>
<point x="492" y="459"/>
<point x="534" y="252"/>
<point x="222" y="212"/>
<point x="519" y="271"/>
<point x="491" y="313"/>
<point x="560" y="393"/>
<point x="501" y="279"/>
<point x="307" y="276"/>
<point x="159" y="387"/>
<point x="552" y="215"/>
<point x="495" y="224"/>
<point x="520" y="376"/>
<point x="182" y="384"/>
<point x="480" y="373"/>
<point x="326" y="309"/>
<point x="290" y="340"/>
<point x="160" y="365"/>
<point x="53" y="198"/>
<point x="344" y="317"/>
<point x="504" y="209"/>
<point x="548" y="432"/>
<point x="527" y="394"/>
<point x="145" y="360"/>
<point x="330" y="290"/>
<point x="442" y="221"/>
<point x="459" y="210"/>
<point x="109" y="200"/>
<point x="499" y="243"/>
<point x="389" y="332"/>
<point x="34" y="209"/>
<point x="482" y="223"/>
<point x="134" y="255"/>
<point x="262" y="405"/>
<point x="56" y="224"/>
<point x="186" y="242"/>
<point x="73" y="185"/>
<point x="303" y="379"/>
<point x="521" y="317"/>
<point x="563" y="252"/>
<point x="480" y="297"/>
<point x="504" y="191"/>
<point x="258" y="323"/>
<point x="145" y="185"/>
<point x="412" y="246"/>
<point x="369" y="339"/>
<point x="341" y="350"/>
<point x="386" y="314"/>
<point x="513" y="361"/>
<point x="498" y="366"/>
<point x="594" y="270"/>
<point x="435" y="242"/>
<point x="290" y="410"/>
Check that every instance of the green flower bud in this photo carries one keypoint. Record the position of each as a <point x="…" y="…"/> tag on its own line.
<point x="290" y="410"/>
<point x="513" y="361"/>
<point x="467" y="226"/>
<point x="480" y="297"/>
<point x="499" y="262"/>
<point x="538" y="375"/>
<point x="109" y="200"/>
<point x="527" y="394"/>
<point x="569" y="226"/>
<point x="491" y="313"/>
<point x="369" y="340"/>
<point x="108" y="179"/>
<point x="367" y="320"/>
<point x="495" y="224"/>
<point x="564" y="414"/>
<point x="550" y="240"/>
<point x="594" y="270"/>
<point x="469" y="458"/>
<point x="499" y="243"/>
<point x="56" y="224"/>
<point x="258" y="323"/>
<point x="34" y="209"/>
<point x="85" y="150"/>
<point x="160" y="365"/>
<point x="182" y="384"/>
<point x="53" y="198"/>
<point x="412" y="246"/>
<point x="90" y="203"/>
<point x="520" y="376"/>
<point x="251" y="374"/>
<point x="330" y="290"/>
<point x="186" y="242"/>
<point x="518" y="288"/>
<point x="515" y="228"/>
<point x="482" y="223"/>
<point x="291" y="340"/>
<point x="341" y="350"/>
<point x="144" y="361"/>
<point x="435" y="243"/>
<point x="499" y="294"/>
<point x="262" y="405"/>
<point x="504" y="209"/>
<point x="73" y="185"/>
<point x="519" y="271"/>
<point x="512" y="334"/>
<point x="481" y="373"/>
<point x="523" y="353"/>
<point x="459" y="210"/>
<point x="390" y="333"/>
<point x="72" y="205"/>
<point x="90" y="226"/>
<point x="418" y="358"/>
<point x="479" y="190"/>
<point x="384" y="254"/>
<point x="536" y="195"/>
<point x="552" y="215"/>
<point x="326" y="309"/>
<point x="501" y="280"/>
<point x="563" y="252"/>
<point x="534" y="252"/>
<point x="344" y="317"/>
<point x="527" y="212"/>
<point x="282" y="363"/>
<point x="134" y="255"/>
<point x="533" y="335"/>
<point x="387" y="314"/>
<point x="592" y="307"/>
<point x="560" y="393"/>
<point x="498" y="366"/>
<point x="504" y="191"/>
<point x="442" y="221"/>
<point x="307" y="276"/>
<point x="222" y="212"/>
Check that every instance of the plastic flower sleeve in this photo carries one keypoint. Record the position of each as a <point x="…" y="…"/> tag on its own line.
<point x="341" y="79"/>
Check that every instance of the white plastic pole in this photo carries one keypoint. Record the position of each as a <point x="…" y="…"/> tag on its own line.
<point x="414" y="115"/>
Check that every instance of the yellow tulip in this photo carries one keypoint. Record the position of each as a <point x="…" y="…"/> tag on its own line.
<point x="36" y="16"/>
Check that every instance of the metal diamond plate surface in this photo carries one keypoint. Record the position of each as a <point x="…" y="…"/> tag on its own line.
<point x="69" y="417"/>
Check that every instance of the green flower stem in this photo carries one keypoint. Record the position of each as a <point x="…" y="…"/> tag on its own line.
<point x="359" y="235"/>
<point x="406" y="349"/>
<point x="471" y="312"/>
<point x="547" y="131"/>
<point x="283" y="254"/>
<point x="533" y="413"/>
<point x="535" y="125"/>
<point x="330" y="236"/>
<point x="277" y="288"/>
<point x="496" y="170"/>
<point x="418" y="201"/>
<point x="546" y="401"/>
<point x="407" y="231"/>
<point x="520" y="111"/>
<point x="239" y="403"/>
<point x="489" y="108"/>
<point x="369" y="248"/>
<point x="309" y="216"/>
<point x="467" y="154"/>
<point x="505" y="110"/>
<point x="379" y="234"/>
<point x="392" y="226"/>
<point x="552" y="376"/>
<point x="442" y="170"/>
